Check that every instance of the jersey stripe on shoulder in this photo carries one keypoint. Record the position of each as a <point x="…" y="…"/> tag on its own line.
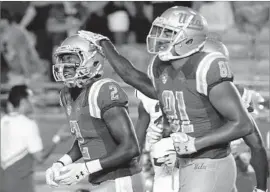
<point x="203" y="67"/>
<point x="94" y="109"/>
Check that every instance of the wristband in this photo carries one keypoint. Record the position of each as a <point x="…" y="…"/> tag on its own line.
<point x="259" y="190"/>
<point x="93" y="166"/>
<point x="60" y="162"/>
<point x="56" y="139"/>
<point x="65" y="160"/>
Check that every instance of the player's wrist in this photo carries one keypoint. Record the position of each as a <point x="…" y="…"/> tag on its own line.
<point x="65" y="160"/>
<point x="93" y="166"/>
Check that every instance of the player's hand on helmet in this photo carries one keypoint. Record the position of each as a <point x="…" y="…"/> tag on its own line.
<point x="183" y="143"/>
<point x="72" y="174"/>
<point x="93" y="37"/>
<point x="154" y="133"/>
<point x="52" y="173"/>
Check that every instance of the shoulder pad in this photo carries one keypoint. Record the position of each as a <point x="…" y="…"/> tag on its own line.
<point x="212" y="70"/>
<point x="103" y="95"/>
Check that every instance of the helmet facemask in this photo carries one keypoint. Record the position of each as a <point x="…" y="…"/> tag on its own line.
<point x="162" y="36"/>
<point x="170" y="39"/>
<point x="75" y="67"/>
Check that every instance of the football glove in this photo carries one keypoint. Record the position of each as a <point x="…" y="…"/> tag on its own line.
<point x="183" y="143"/>
<point x="72" y="174"/>
<point x="52" y="173"/>
<point x="162" y="148"/>
<point x="94" y="38"/>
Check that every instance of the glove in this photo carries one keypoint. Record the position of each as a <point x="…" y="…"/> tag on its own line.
<point x="259" y="190"/>
<point x="92" y="37"/>
<point x="72" y="174"/>
<point x="183" y="143"/>
<point x="52" y="173"/>
<point x="162" y="148"/>
<point x="154" y="133"/>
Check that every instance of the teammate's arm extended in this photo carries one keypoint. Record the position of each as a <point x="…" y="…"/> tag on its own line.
<point x="258" y="157"/>
<point x="122" y="130"/>
<point x="230" y="106"/>
<point x="127" y="71"/>
<point x="142" y="124"/>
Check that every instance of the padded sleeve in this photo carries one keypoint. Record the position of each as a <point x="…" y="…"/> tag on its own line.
<point x="212" y="70"/>
<point x="105" y="94"/>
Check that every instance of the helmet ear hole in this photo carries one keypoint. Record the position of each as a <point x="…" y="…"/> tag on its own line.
<point x="190" y="41"/>
<point x="95" y="63"/>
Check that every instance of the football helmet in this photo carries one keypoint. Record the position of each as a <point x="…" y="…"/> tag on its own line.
<point x="177" y="33"/>
<point x="214" y="45"/>
<point x="78" y="61"/>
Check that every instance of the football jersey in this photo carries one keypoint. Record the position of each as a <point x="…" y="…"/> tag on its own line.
<point x="151" y="106"/>
<point x="165" y="179"/>
<point x="87" y="125"/>
<point x="183" y="96"/>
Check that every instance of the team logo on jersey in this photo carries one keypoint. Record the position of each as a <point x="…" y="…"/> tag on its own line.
<point x="164" y="76"/>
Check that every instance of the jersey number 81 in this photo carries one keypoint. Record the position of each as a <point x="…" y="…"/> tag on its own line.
<point x="170" y="100"/>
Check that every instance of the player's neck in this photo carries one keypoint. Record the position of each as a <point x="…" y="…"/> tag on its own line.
<point x="178" y="63"/>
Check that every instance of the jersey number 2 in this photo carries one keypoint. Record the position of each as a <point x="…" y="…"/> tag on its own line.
<point x="170" y="99"/>
<point x="114" y="92"/>
<point x="76" y="130"/>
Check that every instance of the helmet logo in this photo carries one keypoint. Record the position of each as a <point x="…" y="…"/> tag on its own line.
<point x="195" y="23"/>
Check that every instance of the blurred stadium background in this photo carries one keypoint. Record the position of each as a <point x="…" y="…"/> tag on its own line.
<point x="35" y="28"/>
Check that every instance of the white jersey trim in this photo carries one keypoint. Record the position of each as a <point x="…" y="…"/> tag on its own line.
<point x="203" y="68"/>
<point x="94" y="109"/>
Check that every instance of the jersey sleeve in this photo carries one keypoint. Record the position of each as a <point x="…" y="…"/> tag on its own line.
<point x="105" y="94"/>
<point x="212" y="70"/>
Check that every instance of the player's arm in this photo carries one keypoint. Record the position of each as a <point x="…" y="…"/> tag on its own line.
<point x="122" y="130"/>
<point x="254" y="141"/>
<point x="75" y="152"/>
<point x="73" y="155"/>
<point x="259" y="159"/>
<point x="226" y="100"/>
<point x="110" y="105"/>
<point x="127" y="71"/>
<point x="142" y="124"/>
<point x="216" y="84"/>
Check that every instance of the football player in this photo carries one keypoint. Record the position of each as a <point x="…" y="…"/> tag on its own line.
<point x="196" y="93"/>
<point x="254" y="141"/>
<point x="163" y="157"/>
<point x="96" y="109"/>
